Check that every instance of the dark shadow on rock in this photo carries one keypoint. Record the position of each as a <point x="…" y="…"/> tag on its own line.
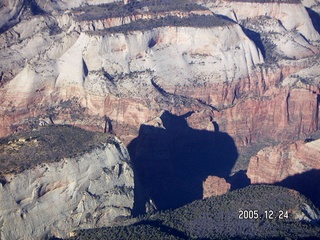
<point x="226" y="18"/>
<point x="306" y="183"/>
<point x="152" y="43"/>
<point x="21" y="12"/>
<point x="34" y="7"/>
<point x="171" y="162"/>
<point x="85" y="68"/>
<point x="315" y="18"/>
<point x="256" y="38"/>
<point x="239" y="180"/>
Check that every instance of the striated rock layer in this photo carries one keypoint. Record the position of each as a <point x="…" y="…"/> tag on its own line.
<point x="257" y="77"/>
<point x="55" y="198"/>
<point x="274" y="164"/>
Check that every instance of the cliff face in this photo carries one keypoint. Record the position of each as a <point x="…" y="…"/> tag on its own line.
<point x="291" y="14"/>
<point x="222" y="71"/>
<point x="186" y="87"/>
<point x="274" y="164"/>
<point x="54" y="198"/>
<point x="294" y="166"/>
<point x="112" y="74"/>
<point x="214" y="186"/>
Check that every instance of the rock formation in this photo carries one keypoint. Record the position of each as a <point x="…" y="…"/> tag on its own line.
<point x="218" y="71"/>
<point x="54" y="198"/>
<point x="274" y="164"/>
<point x="244" y="72"/>
<point x="214" y="186"/>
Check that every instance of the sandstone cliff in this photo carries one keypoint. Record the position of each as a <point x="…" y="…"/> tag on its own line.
<point x="274" y="164"/>
<point x="214" y="186"/>
<point x="294" y="166"/>
<point x="57" y="196"/>
<point x="111" y="74"/>
<point x="186" y="90"/>
<point x="291" y="14"/>
<point x="68" y="77"/>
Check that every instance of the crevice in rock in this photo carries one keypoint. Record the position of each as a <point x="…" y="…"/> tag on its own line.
<point x="85" y="68"/>
<point x="152" y="43"/>
<point x="34" y="7"/>
<point x="108" y="128"/>
<point x="287" y="107"/>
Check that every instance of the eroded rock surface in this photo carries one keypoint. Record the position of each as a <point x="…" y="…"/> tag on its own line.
<point x="242" y="74"/>
<point x="54" y="198"/>
<point x="69" y="69"/>
<point x="274" y="164"/>
<point x="214" y="186"/>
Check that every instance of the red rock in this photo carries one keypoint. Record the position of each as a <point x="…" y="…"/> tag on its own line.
<point x="274" y="164"/>
<point x="215" y="186"/>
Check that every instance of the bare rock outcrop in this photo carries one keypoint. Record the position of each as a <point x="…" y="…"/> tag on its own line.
<point x="274" y="164"/>
<point x="291" y="14"/>
<point x="86" y="70"/>
<point x="215" y="186"/>
<point x="54" y="198"/>
<point x="10" y="13"/>
<point x="67" y="70"/>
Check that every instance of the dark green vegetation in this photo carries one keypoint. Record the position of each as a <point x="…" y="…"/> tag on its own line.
<point x="198" y="21"/>
<point x="119" y="9"/>
<point x="218" y="218"/>
<point x="52" y="143"/>
<point x="152" y="7"/>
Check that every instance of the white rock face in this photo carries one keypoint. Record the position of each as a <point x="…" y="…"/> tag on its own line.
<point x="71" y="65"/>
<point x="54" y="199"/>
<point x="291" y="16"/>
<point x="307" y="214"/>
<point x="218" y="54"/>
<point x="10" y="12"/>
<point x="52" y="58"/>
<point x="63" y="5"/>
<point x="285" y="43"/>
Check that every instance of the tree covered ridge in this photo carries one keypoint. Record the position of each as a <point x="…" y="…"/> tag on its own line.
<point x="46" y="144"/>
<point x="196" y="21"/>
<point x="119" y="9"/>
<point x="218" y="218"/>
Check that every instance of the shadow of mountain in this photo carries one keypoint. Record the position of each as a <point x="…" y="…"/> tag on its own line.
<point x="315" y="18"/>
<point x="306" y="183"/>
<point x="239" y="180"/>
<point x="171" y="162"/>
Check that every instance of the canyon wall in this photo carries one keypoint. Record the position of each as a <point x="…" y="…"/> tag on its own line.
<point x="274" y="164"/>
<point x="90" y="190"/>
<point x="292" y="165"/>
<point x="229" y="74"/>
<point x="84" y="77"/>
